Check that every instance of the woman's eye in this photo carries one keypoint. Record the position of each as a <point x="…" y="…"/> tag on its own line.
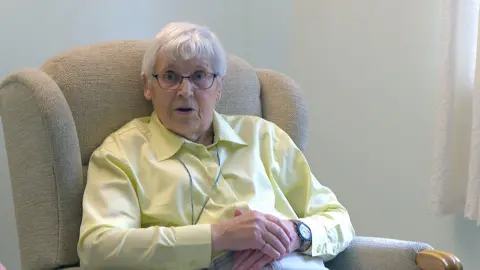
<point x="200" y="75"/>
<point x="169" y="76"/>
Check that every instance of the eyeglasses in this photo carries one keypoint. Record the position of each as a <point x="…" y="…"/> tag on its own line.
<point x="170" y="80"/>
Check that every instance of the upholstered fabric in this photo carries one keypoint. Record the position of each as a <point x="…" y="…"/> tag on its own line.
<point x="54" y="117"/>
<point x="367" y="253"/>
<point x="283" y="103"/>
<point x="44" y="160"/>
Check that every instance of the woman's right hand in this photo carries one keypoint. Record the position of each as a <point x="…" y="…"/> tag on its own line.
<point x="251" y="230"/>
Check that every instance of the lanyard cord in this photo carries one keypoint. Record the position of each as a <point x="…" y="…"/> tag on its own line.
<point x="211" y="191"/>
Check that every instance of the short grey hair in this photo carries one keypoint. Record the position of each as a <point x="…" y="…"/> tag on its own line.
<point x="183" y="40"/>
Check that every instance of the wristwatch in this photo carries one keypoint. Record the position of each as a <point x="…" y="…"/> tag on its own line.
<point x="305" y="235"/>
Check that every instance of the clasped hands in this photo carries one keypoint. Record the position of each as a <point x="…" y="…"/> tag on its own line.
<point x="256" y="239"/>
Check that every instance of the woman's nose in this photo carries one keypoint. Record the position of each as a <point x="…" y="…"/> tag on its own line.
<point x="186" y="88"/>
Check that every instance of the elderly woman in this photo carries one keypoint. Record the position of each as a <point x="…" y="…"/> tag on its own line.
<point x="189" y="188"/>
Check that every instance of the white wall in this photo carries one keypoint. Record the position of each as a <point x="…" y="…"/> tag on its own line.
<point x="39" y="29"/>
<point x="366" y="66"/>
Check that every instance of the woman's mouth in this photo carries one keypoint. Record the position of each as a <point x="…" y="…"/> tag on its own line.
<point x="184" y="110"/>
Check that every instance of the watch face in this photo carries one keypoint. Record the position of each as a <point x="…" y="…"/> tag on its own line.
<point x="304" y="231"/>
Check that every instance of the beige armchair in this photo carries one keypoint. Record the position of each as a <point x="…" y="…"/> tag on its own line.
<point x="55" y="116"/>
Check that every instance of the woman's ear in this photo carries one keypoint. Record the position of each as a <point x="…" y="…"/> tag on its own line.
<point x="147" y="89"/>
<point x="219" y="95"/>
<point x="220" y="87"/>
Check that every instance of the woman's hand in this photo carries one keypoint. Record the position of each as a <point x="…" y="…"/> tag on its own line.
<point x="250" y="259"/>
<point x="252" y="230"/>
<point x="256" y="259"/>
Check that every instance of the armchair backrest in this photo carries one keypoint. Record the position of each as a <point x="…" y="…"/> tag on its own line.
<point x="54" y="118"/>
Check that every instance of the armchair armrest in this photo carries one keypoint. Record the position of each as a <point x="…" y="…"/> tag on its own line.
<point x="383" y="253"/>
<point x="45" y="168"/>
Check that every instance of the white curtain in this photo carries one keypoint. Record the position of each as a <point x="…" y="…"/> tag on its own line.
<point x="455" y="183"/>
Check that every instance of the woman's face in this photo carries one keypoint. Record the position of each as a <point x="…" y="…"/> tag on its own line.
<point x="184" y="106"/>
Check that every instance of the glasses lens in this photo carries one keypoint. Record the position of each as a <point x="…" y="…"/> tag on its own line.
<point x="168" y="80"/>
<point x="202" y="80"/>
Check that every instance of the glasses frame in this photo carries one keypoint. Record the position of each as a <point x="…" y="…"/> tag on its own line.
<point x="156" y="75"/>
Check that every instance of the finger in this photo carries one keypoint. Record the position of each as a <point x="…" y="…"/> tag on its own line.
<point x="270" y="251"/>
<point x="248" y="262"/>
<point x="282" y="224"/>
<point x="237" y="212"/>
<point x="262" y="262"/>
<point x="280" y="236"/>
<point x="236" y="256"/>
<point x="241" y="256"/>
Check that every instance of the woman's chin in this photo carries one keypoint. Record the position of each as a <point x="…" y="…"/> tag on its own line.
<point x="186" y="129"/>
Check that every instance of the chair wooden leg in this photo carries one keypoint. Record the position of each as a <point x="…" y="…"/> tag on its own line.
<point x="437" y="260"/>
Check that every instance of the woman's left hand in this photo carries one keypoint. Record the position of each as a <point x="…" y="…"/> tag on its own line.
<point x="256" y="259"/>
<point x="250" y="259"/>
